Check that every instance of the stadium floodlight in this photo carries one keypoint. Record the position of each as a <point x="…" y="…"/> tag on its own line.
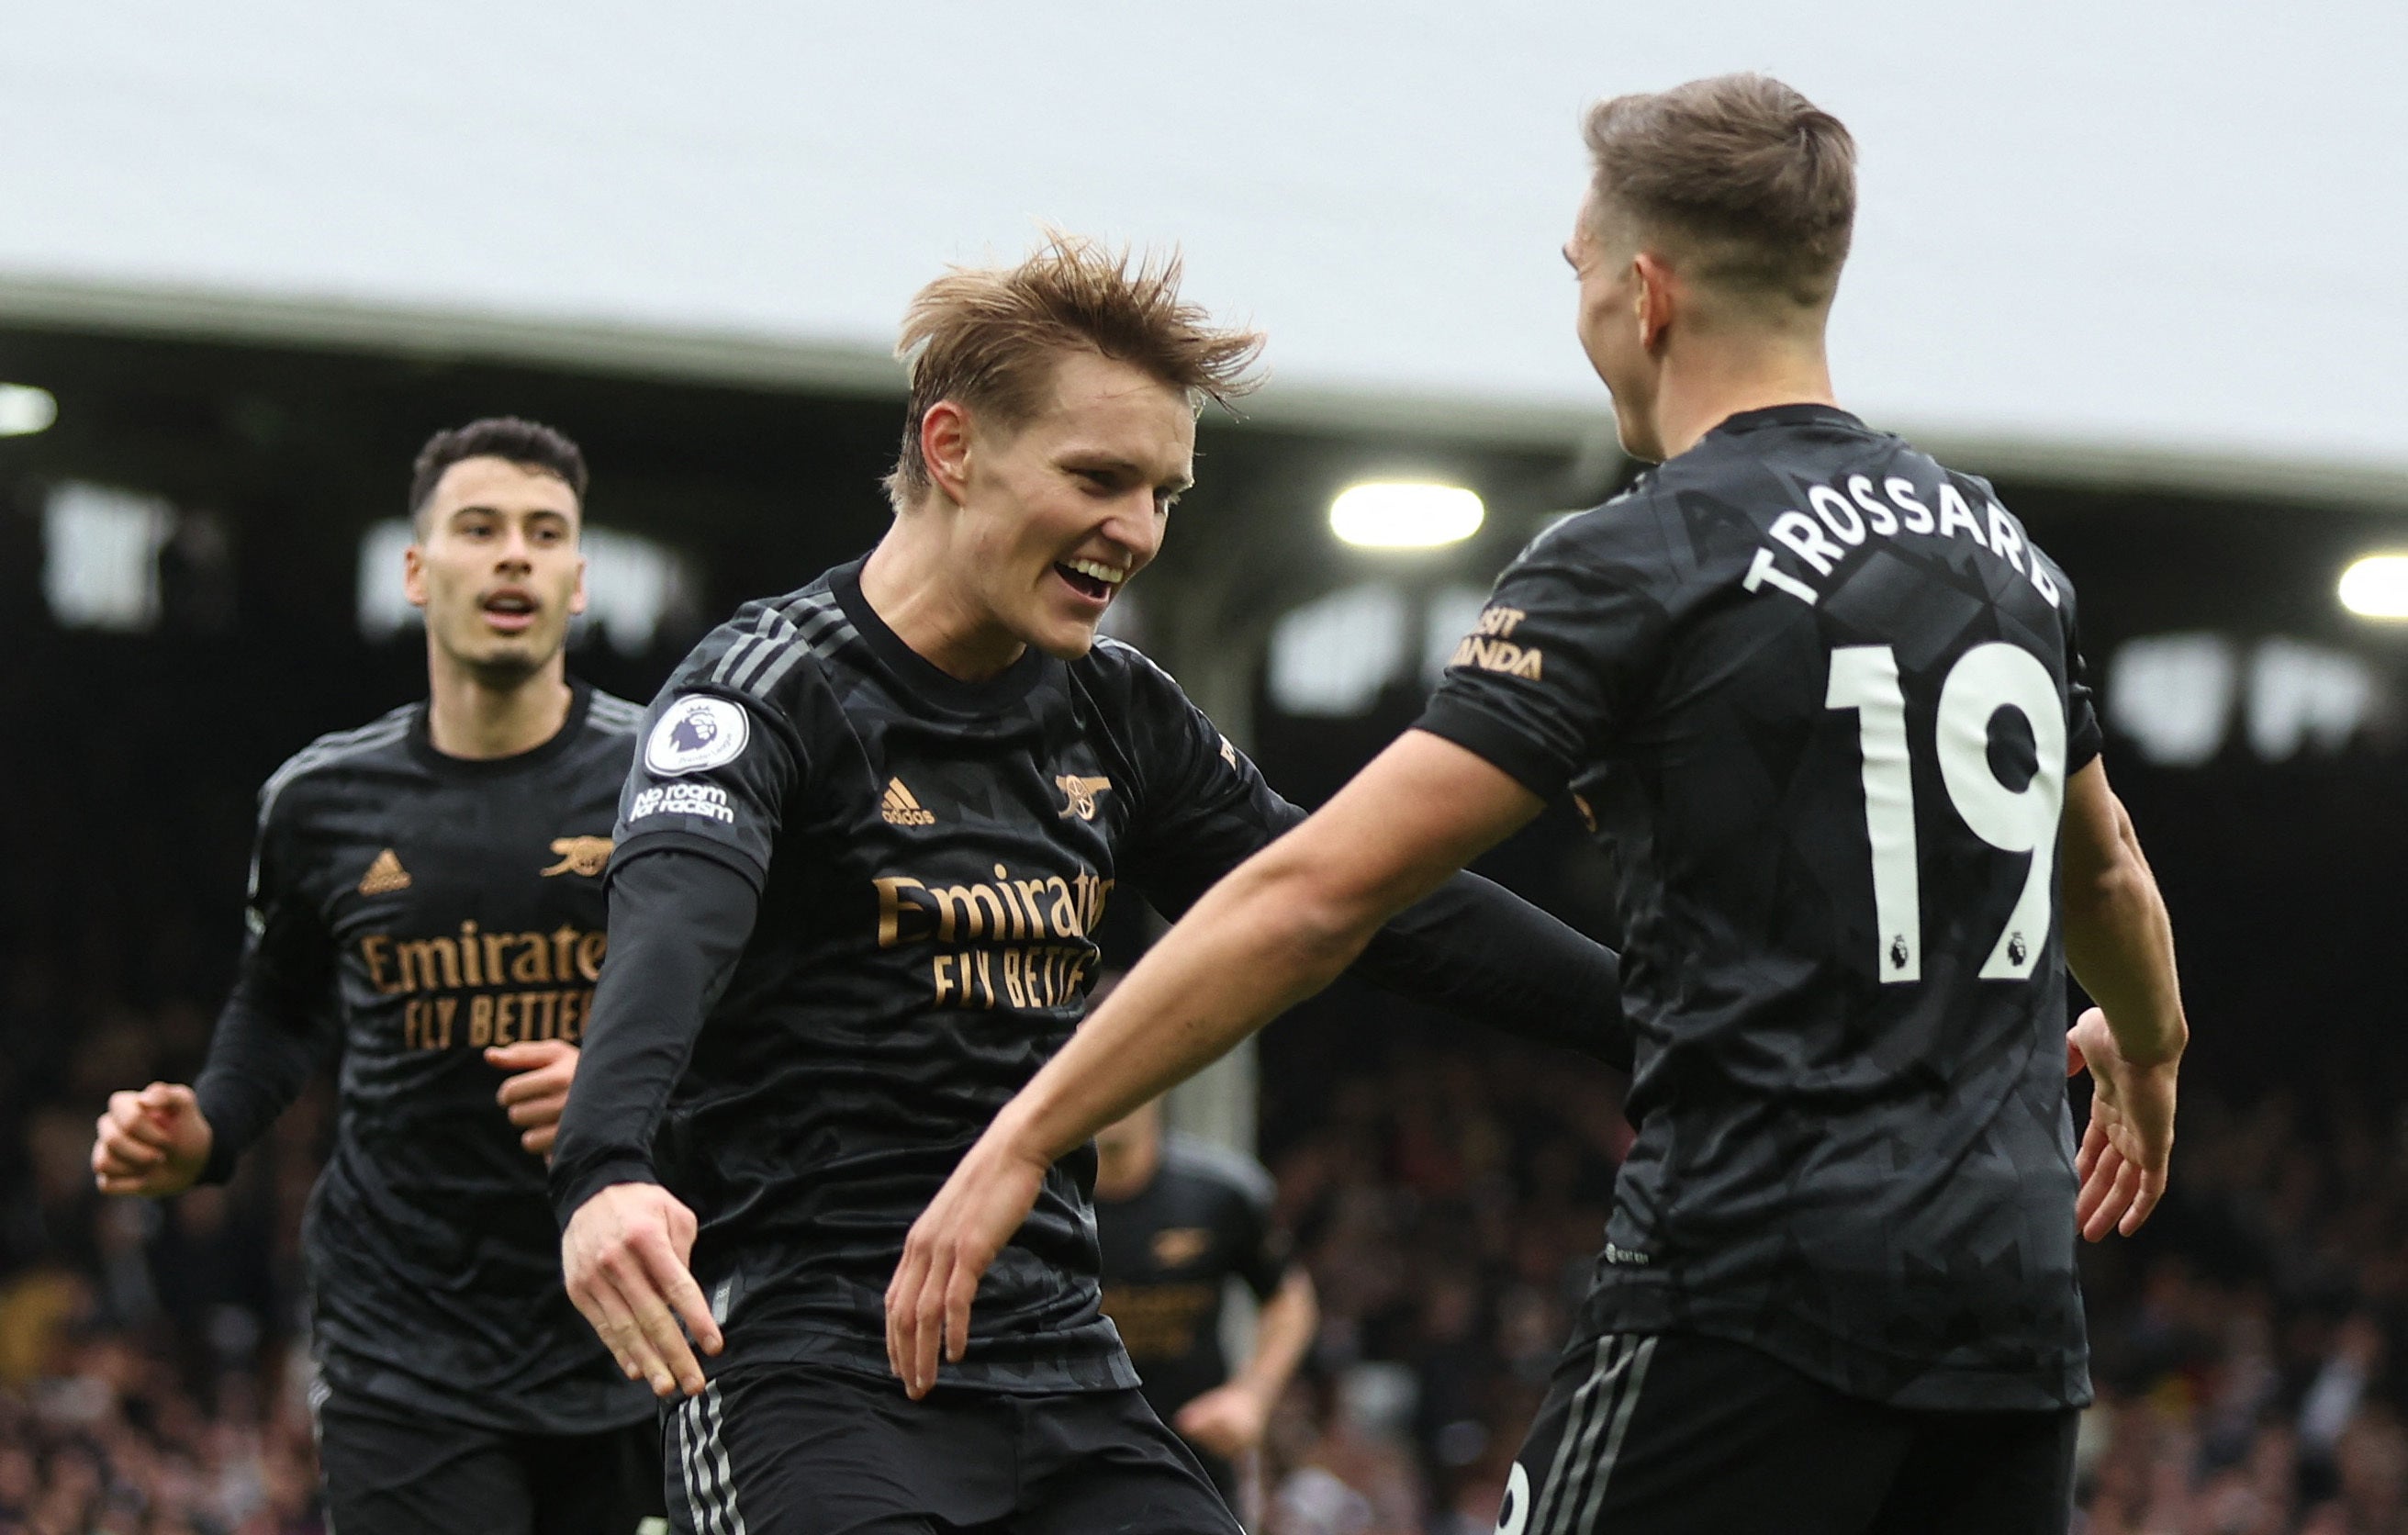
<point x="1401" y="514"/>
<point x="2377" y="587"/>
<point x="26" y="409"/>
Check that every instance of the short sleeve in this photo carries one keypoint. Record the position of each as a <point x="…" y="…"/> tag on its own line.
<point x="715" y="772"/>
<point x="1260" y="1247"/>
<point x="1549" y="672"/>
<point x="2083" y="739"/>
<point x="1203" y="807"/>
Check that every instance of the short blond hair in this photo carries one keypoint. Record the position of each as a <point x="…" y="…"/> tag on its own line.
<point x="1739" y="171"/>
<point x="988" y="337"/>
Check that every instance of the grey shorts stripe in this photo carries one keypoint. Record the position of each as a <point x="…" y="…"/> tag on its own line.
<point x="1593" y="1430"/>
<point x="709" y="1481"/>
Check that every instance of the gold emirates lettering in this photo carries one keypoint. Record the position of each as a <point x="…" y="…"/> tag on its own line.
<point x="1005" y="911"/>
<point x="436" y="975"/>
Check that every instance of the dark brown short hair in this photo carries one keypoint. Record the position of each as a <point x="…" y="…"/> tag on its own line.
<point x="1740" y="172"/>
<point x="530" y="445"/>
<point x="988" y="337"/>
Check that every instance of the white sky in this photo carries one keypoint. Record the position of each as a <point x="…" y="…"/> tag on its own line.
<point x="2110" y="224"/>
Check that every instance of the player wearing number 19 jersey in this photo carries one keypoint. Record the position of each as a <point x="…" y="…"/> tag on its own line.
<point x="1822" y="700"/>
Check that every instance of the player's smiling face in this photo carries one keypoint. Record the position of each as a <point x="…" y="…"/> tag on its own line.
<point x="1055" y="515"/>
<point x="497" y="567"/>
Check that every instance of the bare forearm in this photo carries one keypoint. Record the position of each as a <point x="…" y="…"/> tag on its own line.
<point x="2119" y="943"/>
<point x="1282" y="1335"/>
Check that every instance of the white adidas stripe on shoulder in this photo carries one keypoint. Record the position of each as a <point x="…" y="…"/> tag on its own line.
<point x="338" y="746"/>
<point x="810" y="624"/>
<point x="613" y="714"/>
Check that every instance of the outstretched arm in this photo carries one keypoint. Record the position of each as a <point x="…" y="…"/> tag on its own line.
<point x="2119" y="944"/>
<point x="1278" y="929"/>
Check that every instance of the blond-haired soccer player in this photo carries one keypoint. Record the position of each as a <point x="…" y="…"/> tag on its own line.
<point x="1823" y="698"/>
<point x="871" y="831"/>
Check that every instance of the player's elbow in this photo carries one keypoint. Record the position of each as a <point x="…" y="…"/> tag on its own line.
<point x="1314" y="911"/>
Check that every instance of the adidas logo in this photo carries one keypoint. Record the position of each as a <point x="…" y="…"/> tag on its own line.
<point x="900" y="808"/>
<point x="386" y="875"/>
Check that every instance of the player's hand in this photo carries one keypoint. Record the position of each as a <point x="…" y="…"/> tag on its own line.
<point x="2131" y="1138"/>
<point x="151" y="1143"/>
<point x="951" y="1244"/>
<point x="623" y="1258"/>
<point x="1227" y="1420"/>
<point x="536" y="1089"/>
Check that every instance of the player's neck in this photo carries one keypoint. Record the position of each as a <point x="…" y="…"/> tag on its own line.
<point x="479" y="719"/>
<point x="1711" y="380"/>
<point x="909" y="581"/>
<point x="1124" y="1168"/>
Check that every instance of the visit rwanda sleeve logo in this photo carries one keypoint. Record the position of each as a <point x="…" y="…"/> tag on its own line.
<point x="696" y="733"/>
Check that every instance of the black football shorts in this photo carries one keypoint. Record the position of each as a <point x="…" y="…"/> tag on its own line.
<point x="1684" y="1435"/>
<point x="395" y="1471"/>
<point x="802" y="1449"/>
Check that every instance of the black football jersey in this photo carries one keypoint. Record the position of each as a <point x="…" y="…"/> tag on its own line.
<point x="933" y="858"/>
<point x="1819" y="696"/>
<point x="1168" y="1251"/>
<point x="427" y="907"/>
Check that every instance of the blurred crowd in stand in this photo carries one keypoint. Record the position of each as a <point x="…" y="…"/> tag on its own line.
<point x="1449" y="1201"/>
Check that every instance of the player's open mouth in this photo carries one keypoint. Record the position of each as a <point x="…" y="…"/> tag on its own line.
<point x="1091" y="579"/>
<point x="510" y="612"/>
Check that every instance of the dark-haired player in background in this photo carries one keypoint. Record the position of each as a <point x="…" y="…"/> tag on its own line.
<point x="1822" y="698"/>
<point x="1177" y="1219"/>
<point x="430" y="886"/>
<point x="873" y="828"/>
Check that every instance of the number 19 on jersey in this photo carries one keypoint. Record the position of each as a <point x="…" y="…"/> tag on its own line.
<point x="1986" y="679"/>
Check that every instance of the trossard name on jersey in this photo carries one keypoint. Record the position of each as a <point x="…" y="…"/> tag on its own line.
<point x="1812" y="547"/>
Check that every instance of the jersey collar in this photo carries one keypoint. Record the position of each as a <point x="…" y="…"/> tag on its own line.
<point x="421" y="742"/>
<point x="1789" y="415"/>
<point x="922" y="677"/>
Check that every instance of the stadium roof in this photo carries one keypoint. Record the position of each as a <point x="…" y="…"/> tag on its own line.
<point x="2154" y="244"/>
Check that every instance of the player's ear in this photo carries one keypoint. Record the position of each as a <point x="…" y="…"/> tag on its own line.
<point x="945" y="433"/>
<point x="577" y="597"/>
<point x="1655" y="292"/>
<point x="414" y="575"/>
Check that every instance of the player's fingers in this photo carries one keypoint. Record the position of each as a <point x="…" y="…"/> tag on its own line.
<point x="542" y="1109"/>
<point x="2075" y="1064"/>
<point x="625" y="1299"/>
<point x="928" y="1325"/>
<point x="2094" y="1137"/>
<point x="2119" y="1199"/>
<point x="538" y="1140"/>
<point x="903" y="1304"/>
<point x="685" y="1301"/>
<point x="598" y="1303"/>
<point x="122" y="1150"/>
<point x="135" y="1120"/>
<point x="2097" y="1186"/>
<point x="2145" y="1203"/>
<point x="527" y="1054"/>
<point x="173" y="1098"/>
<point x="960" y="1290"/>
